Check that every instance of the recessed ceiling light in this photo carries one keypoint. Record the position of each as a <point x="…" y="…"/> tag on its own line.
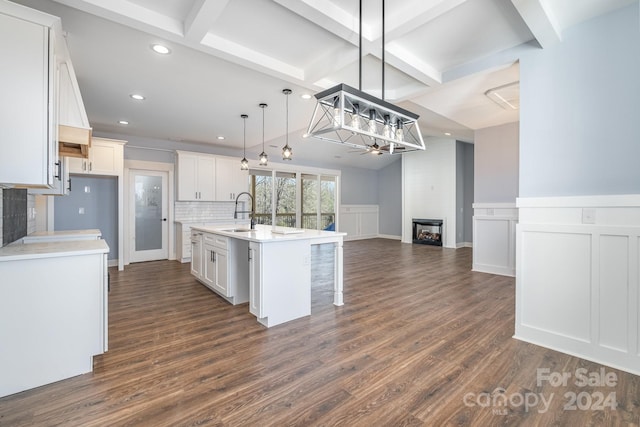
<point x="162" y="50"/>
<point x="337" y="157"/>
<point x="220" y="137"/>
<point x="305" y="96"/>
<point x="448" y="133"/>
<point x="273" y="146"/>
<point x="137" y="96"/>
<point x="123" y="122"/>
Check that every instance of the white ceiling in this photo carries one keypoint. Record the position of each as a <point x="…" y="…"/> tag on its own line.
<point x="227" y="56"/>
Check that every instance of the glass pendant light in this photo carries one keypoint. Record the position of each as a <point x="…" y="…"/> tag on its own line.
<point x="263" y="155"/>
<point x="244" y="163"/>
<point x="286" y="150"/>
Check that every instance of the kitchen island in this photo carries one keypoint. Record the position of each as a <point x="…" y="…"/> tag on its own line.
<point x="268" y="267"/>
<point x="53" y="310"/>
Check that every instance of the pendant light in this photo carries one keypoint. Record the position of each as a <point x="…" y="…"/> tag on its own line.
<point x="263" y="155"/>
<point x="244" y="163"/>
<point x="286" y="150"/>
<point x="351" y="117"/>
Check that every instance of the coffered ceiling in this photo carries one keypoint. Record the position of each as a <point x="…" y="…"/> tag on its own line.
<point x="227" y="56"/>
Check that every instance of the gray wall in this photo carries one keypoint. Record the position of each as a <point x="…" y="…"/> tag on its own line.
<point x="359" y="186"/>
<point x="496" y="164"/>
<point x="469" y="150"/>
<point x="464" y="192"/>
<point x="580" y="104"/>
<point x="100" y="208"/>
<point x="390" y="199"/>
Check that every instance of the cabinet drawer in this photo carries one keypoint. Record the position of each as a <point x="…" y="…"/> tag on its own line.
<point x="215" y="240"/>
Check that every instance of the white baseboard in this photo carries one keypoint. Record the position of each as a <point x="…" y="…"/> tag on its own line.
<point x="464" y="245"/>
<point x="494" y="269"/>
<point x="112" y="262"/>
<point x="389" y="236"/>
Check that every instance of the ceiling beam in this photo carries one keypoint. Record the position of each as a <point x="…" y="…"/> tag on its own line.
<point x="542" y="24"/>
<point x="201" y="18"/>
<point x="414" y="15"/>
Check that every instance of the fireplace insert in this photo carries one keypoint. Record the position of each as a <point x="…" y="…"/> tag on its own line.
<point x="427" y="231"/>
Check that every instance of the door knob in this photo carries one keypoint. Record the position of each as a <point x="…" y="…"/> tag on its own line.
<point x="164" y="219"/>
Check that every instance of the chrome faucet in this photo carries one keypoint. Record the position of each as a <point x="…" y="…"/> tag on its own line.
<point x="252" y="211"/>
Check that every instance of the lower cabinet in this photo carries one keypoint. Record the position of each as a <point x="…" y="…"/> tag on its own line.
<point x="221" y="264"/>
<point x="256" y="307"/>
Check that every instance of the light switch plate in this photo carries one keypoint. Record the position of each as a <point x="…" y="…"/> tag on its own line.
<point x="588" y="215"/>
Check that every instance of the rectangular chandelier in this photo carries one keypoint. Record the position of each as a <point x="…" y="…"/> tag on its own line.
<point x="348" y="116"/>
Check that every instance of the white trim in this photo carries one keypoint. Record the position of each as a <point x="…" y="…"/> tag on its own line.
<point x="494" y="238"/>
<point x="389" y="236"/>
<point x="113" y="263"/>
<point x="618" y="200"/>
<point x="464" y="245"/>
<point x="151" y="166"/>
<point x="485" y="205"/>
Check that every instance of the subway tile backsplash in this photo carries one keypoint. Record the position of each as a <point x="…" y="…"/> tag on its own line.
<point x="31" y="219"/>
<point x="198" y="211"/>
<point x="14" y="215"/>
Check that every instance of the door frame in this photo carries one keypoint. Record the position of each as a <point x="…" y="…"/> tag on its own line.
<point x="128" y="229"/>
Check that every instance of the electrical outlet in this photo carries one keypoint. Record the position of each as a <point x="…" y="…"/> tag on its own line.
<point x="87" y="189"/>
<point x="81" y="211"/>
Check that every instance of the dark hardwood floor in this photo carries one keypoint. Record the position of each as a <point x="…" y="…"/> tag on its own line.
<point x="420" y="341"/>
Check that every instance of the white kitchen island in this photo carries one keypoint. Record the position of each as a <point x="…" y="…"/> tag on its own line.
<point x="269" y="267"/>
<point x="53" y="310"/>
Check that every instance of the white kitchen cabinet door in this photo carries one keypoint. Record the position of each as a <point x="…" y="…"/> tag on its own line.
<point x="230" y="179"/>
<point x="106" y="157"/>
<point x="196" y="254"/>
<point x="256" y="306"/>
<point x="221" y="280"/>
<point x="196" y="177"/>
<point x="209" y="266"/>
<point x="61" y="186"/>
<point x="28" y="111"/>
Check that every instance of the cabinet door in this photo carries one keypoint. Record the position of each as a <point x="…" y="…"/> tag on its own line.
<point x="187" y="177"/>
<point x="196" y="255"/>
<point x="77" y="165"/>
<point x="206" y="178"/>
<point x="62" y="184"/>
<point x="221" y="283"/>
<point x="230" y="179"/>
<point x="27" y="111"/>
<point x="105" y="158"/>
<point x="209" y="264"/>
<point x="255" y="280"/>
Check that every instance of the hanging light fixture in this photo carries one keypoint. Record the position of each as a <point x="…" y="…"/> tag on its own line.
<point x="286" y="150"/>
<point x="244" y="163"/>
<point x="263" y="155"/>
<point x="349" y="116"/>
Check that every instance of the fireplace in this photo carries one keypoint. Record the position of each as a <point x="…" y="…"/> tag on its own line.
<point x="427" y="231"/>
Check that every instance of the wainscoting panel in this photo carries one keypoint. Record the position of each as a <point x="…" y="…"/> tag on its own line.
<point x="577" y="281"/>
<point x="494" y="232"/>
<point x="358" y="221"/>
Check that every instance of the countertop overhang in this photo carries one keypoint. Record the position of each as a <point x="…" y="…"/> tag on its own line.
<point x="265" y="234"/>
<point x="20" y="251"/>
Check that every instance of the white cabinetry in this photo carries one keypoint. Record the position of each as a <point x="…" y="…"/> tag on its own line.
<point x="359" y="221"/>
<point x="106" y="157"/>
<point x="28" y="111"/>
<point x="256" y="307"/>
<point x="222" y="265"/>
<point x="196" y="254"/>
<point x="230" y="179"/>
<point x="196" y="177"/>
<point x="62" y="186"/>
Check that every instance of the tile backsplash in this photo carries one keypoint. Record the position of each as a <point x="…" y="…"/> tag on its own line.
<point x="28" y="208"/>
<point x="202" y="211"/>
<point x="14" y="215"/>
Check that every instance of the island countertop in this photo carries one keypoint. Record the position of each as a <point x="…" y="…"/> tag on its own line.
<point x="18" y="250"/>
<point x="267" y="233"/>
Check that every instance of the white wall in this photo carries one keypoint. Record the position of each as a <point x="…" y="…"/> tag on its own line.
<point x="429" y="187"/>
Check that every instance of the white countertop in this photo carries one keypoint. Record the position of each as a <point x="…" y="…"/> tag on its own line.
<point x="263" y="234"/>
<point x="66" y="233"/>
<point x="214" y="222"/>
<point x="19" y="251"/>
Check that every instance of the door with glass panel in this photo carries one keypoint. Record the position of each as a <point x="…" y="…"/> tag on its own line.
<point x="149" y="207"/>
<point x="318" y="202"/>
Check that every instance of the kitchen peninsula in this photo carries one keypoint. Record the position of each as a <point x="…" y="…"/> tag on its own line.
<point x="269" y="267"/>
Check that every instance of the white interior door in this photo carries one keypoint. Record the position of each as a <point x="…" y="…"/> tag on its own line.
<point x="149" y="208"/>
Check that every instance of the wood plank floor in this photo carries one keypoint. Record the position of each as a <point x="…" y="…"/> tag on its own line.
<point x="420" y="341"/>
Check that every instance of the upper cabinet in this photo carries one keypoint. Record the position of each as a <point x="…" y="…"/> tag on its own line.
<point x="208" y="178"/>
<point x="196" y="177"/>
<point x="230" y="179"/>
<point x="28" y="110"/>
<point x="106" y="157"/>
<point x="42" y="116"/>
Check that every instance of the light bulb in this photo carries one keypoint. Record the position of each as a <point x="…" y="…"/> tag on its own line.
<point x="244" y="164"/>
<point x="372" y="122"/>
<point x="400" y="131"/>
<point x="355" y="121"/>
<point x="286" y="153"/>
<point x="336" y="112"/>
<point x="263" y="159"/>
<point x="386" y="130"/>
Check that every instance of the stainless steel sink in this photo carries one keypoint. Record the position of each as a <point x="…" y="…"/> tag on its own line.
<point x="237" y="230"/>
